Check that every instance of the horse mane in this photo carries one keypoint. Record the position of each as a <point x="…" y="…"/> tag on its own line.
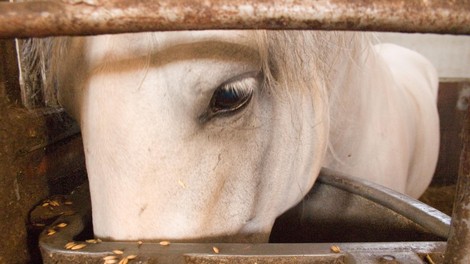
<point x="39" y="62"/>
<point x="313" y="57"/>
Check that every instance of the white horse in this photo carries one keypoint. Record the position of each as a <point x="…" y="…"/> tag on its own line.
<point x="210" y="135"/>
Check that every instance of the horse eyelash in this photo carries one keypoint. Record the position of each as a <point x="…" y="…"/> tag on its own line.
<point x="241" y="87"/>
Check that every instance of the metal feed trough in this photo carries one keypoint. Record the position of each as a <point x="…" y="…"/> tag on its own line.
<point x="339" y="208"/>
<point x="362" y="223"/>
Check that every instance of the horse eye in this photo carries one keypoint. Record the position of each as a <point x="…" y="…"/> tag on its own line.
<point x="232" y="96"/>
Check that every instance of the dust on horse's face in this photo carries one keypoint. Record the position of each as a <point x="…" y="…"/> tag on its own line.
<point x="183" y="138"/>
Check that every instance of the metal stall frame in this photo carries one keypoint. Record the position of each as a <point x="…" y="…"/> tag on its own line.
<point x="90" y="17"/>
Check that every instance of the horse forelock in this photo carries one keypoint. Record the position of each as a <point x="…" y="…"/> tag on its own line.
<point x="41" y="57"/>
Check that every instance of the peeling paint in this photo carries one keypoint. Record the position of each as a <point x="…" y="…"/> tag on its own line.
<point x="16" y="186"/>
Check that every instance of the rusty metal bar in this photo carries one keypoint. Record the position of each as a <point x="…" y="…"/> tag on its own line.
<point x="87" y="17"/>
<point x="458" y="245"/>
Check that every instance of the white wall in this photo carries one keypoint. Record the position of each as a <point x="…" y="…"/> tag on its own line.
<point x="450" y="54"/>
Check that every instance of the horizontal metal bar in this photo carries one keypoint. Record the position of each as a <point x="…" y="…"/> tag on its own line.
<point x="89" y="17"/>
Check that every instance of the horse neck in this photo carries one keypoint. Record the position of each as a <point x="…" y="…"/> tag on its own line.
<point x="360" y="100"/>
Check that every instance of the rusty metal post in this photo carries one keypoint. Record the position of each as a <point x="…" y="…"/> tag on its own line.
<point x="13" y="238"/>
<point x="9" y="85"/>
<point x="32" y="166"/>
<point x="458" y="245"/>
